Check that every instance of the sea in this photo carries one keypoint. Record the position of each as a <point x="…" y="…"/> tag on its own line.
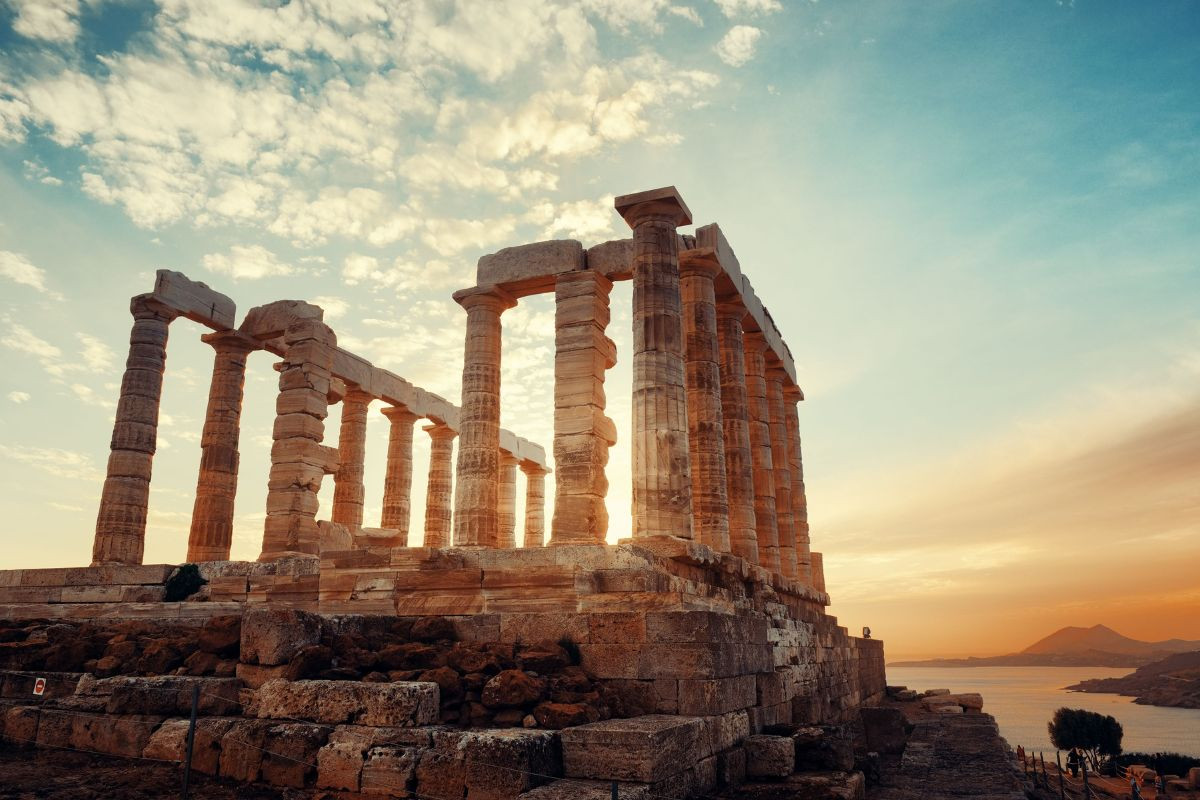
<point x="1023" y="699"/>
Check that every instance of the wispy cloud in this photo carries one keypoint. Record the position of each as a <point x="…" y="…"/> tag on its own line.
<point x="17" y="268"/>
<point x="737" y="47"/>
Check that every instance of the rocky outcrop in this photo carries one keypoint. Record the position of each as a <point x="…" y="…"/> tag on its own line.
<point x="1173" y="682"/>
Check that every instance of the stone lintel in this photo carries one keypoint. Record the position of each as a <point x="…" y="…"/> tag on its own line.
<point x="485" y="294"/>
<point x="194" y="300"/>
<point x="269" y="322"/>
<point x="613" y="259"/>
<point x="712" y="236"/>
<point x="665" y="200"/>
<point x="231" y="339"/>
<point x="530" y="268"/>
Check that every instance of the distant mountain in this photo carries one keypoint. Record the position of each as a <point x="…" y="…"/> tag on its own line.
<point x="1103" y="639"/>
<point x="1097" y="646"/>
<point x="1174" y="681"/>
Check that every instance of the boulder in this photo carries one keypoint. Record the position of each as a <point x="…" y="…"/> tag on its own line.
<point x="338" y="702"/>
<point x="543" y="658"/>
<point x="643" y="749"/>
<point x="220" y="636"/>
<point x="769" y="756"/>
<point x="273" y="636"/>
<point x="291" y="755"/>
<point x="512" y="688"/>
<point x="433" y="629"/>
<point x="886" y="729"/>
<point x="557" y="716"/>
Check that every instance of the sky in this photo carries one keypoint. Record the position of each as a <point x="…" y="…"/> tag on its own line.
<point x="974" y="222"/>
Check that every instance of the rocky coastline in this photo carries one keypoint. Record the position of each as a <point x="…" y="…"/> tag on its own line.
<point x="1173" y="682"/>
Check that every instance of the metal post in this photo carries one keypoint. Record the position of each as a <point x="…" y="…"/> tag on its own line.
<point x="1087" y="790"/>
<point x="1062" y="792"/>
<point x="191" y="740"/>
<point x="614" y="790"/>
<point x="1045" y="777"/>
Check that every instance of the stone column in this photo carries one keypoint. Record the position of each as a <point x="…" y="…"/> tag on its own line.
<point x="125" y="499"/>
<point x="298" y="460"/>
<point x="535" y="505"/>
<point x="818" y="572"/>
<point x="739" y="461"/>
<point x="348" y="488"/>
<point x="791" y="396"/>
<point x="216" y="487"/>
<point x="438" y="492"/>
<point x="760" y="448"/>
<point x="475" y="491"/>
<point x="506" y="502"/>
<point x="662" y="492"/>
<point x="397" y="483"/>
<point x="706" y="433"/>
<point x="582" y="432"/>
<point x="782" y="468"/>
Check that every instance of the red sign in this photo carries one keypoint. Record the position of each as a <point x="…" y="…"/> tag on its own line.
<point x="39" y="686"/>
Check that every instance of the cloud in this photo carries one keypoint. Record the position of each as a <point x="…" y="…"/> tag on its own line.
<point x="19" y="269"/>
<point x="334" y="307"/>
<point x="688" y="13"/>
<point x="48" y="20"/>
<point x="52" y="460"/>
<point x="247" y="262"/>
<point x="38" y="172"/>
<point x="738" y="45"/>
<point x="88" y="395"/>
<point x="734" y="8"/>
<point x="588" y="220"/>
<point x="96" y="356"/>
<point x="19" y="397"/>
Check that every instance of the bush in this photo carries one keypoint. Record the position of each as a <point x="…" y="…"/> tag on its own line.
<point x="1098" y="736"/>
<point x="1162" y="763"/>
<point x="184" y="582"/>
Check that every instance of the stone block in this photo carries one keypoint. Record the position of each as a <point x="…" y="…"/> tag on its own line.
<point x="169" y="742"/>
<point x="969" y="700"/>
<point x="710" y="696"/>
<point x="530" y="268"/>
<point x="885" y="729"/>
<point x="194" y="300"/>
<point x="725" y="731"/>
<point x="271" y="637"/>
<point x="586" y="790"/>
<point x="500" y="764"/>
<point x="769" y="756"/>
<point x="242" y="748"/>
<point x="389" y="770"/>
<point x="644" y="749"/>
<point x="613" y="259"/>
<point x="616" y="628"/>
<point x="21" y="724"/>
<point x="402" y="704"/>
<point x="291" y="755"/>
<point x="255" y="676"/>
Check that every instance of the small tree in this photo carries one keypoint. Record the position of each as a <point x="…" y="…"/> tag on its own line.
<point x="1097" y="735"/>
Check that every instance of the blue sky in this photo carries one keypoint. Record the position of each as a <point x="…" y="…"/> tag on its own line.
<point x="974" y="222"/>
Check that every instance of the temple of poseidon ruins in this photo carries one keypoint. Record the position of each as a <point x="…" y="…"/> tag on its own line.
<point x="683" y="661"/>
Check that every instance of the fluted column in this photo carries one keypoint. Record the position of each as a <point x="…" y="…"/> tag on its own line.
<point x="760" y="447"/>
<point x="397" y="482"/>
<point x="791" y="396"/>
<point x="818" y="572"/>
<point x="478" y="473"/>
<point x="583" y="433"/>
<point x="438" y="491"/>
<point x="706" y="433"/>
<point x="211" y="535"/>
<point x="348" y="490"/>
<point x="299" y="462"/>
<point x="506" y="502"/>
<point x="739" y="461"/>
<point x="662" y="493"/>
<point x="125" y="498"/>
<point x="535" y="505"/>
<point x="782" y="468"/>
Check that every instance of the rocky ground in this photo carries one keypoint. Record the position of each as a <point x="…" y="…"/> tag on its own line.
<point x="64" y="775"/>
<point x="1173" y="682"/>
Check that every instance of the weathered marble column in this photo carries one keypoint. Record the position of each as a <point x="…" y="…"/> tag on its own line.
<point x="348" y="490"/>
<point x="397" y="482"/>
<point x="739" y="461"/>
<point x="662" y="492"/>
<point x="791" y="396"/>
<point x="782" y="468"/>
<point x="582" y="432"/>
<point x="535" y="505"/>
<point x="211" y="535"/>
<point x="760" y="447"/>
<point x="706" y="432"/>
<point x="506" y="502"/>
<point x="299" y="461"/>
<point x="478" y="473"/>
<point x="438" y="491"/>
<point x="124" y="501"/>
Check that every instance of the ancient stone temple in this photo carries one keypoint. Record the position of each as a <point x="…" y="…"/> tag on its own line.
<point x="662" y="662"/>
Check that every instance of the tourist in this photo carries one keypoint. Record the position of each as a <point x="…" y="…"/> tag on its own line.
<point x="1160" y="786"/>
<point x="1135" y="788"/>
<point x="1073" y="762"/>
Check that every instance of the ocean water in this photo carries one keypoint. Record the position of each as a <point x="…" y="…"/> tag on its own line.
<point x="1023" y="699"/>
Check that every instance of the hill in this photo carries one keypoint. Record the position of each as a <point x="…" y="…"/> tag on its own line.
<point x="1174" y="681"/>
<point x="1097" y="646"/>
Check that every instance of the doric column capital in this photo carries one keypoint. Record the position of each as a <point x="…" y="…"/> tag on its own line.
<point x="355" y="395"/>
<point x="231" y="341"/>
<point x="664" y="203"/>
<point x="508" y="459"/>
<point x="489" y="297"/>
<point x="399" y="414"/>
<point x="792" y="393"/>
<point x="700" y="262"/>
<point x="148" y="305"/>
<point x="440" y="431"/>
<point x="533" y="469"/>
<point x="756" y="342"/>
<point x="730" y="308"/>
